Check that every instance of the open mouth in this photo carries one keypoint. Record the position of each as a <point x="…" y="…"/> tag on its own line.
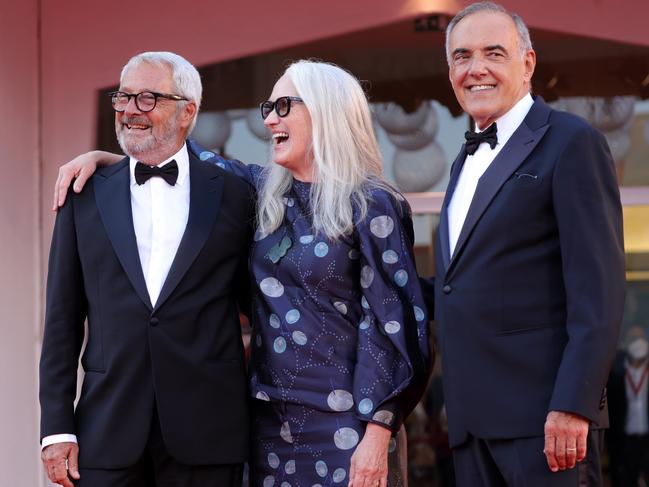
<point x="477" y="88"/>
<point x="280" y="137"/>
<point x="136" y="126"/>
<point x="134" y="123"/>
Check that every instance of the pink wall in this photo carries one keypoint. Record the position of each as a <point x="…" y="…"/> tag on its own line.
<point x="618" y="20"/>
<point x="84" y="46"/>
<point x="19" y="250"/>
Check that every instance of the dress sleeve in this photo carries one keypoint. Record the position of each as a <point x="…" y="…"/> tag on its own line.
<point x="393" y="356"/>
<point x="249" y="172"/>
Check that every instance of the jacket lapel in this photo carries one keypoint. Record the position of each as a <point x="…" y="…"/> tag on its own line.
<point x="205" y="191"/>
<point x="113" y="198"/>
<point x="442" y="229"/>
<point x="512" y="155"/>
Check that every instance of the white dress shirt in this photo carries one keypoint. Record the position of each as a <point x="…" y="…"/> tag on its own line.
<point x="160" y="213"/>
<point x="475" y="166"/>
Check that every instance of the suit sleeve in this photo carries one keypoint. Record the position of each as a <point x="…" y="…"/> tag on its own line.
<point x="393" y="356"/>
<point x="243" y="280"/>
<point x="589" y="219"/>
<point x="65" y="313"/>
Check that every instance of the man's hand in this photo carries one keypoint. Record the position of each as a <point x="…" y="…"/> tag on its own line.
<point x="565" y="439"/>
<point x="61" y="462"/>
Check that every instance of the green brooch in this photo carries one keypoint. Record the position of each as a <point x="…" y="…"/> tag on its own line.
<point x="279" y="250"/>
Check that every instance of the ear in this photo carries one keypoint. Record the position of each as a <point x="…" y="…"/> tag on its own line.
<point x="530" y="63"/>
<point x="188" y="114"/>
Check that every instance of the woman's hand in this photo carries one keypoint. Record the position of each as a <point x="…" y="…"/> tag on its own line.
<point x="369" y="465"/>
<point x="81" y="167"/>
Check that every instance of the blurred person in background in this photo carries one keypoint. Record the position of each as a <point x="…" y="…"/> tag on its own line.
<point x="628" y="394"/>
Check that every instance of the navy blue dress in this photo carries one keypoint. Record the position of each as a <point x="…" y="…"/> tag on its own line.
<point x="339" y="336"/>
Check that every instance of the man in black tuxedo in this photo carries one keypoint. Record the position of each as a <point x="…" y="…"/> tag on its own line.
<point x="153" y="252"/>
<point x="529" y="284"/>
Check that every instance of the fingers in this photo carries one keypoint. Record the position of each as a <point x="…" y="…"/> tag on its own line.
<point x="368" y="480"/>
<point x="73" y="463"/>
<point x="571" y="453"/>
<point x="55" y="200"/>
<point x="550" y="454"/>
<point x="565" y="440"/>
<point x="61" y="186"/>
<point x="357" y="477"/>
<point x="59" y="460"/>
<point x="57" y="472"/>
<point x="581" y="445"/>
<point x="352" y="470"/>
<point x="363" y="478"/>
<point x="81" y="168"/>
<point x="369" y="463"/>
<point x="360" y="481"/>
<point x="82" y="177"/>
<point x="560" y="452"/>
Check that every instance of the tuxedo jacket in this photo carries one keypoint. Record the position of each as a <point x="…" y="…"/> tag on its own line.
<point x="184" y="355"/>
<point x="529" y="305"/>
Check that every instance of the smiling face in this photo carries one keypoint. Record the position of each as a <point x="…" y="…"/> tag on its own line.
<point x="487" y="71"/>
<point x="153" y="136"/>
<point x="291" y="135"/>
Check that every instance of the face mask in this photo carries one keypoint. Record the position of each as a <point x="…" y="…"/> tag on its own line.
<point x="638" y="349"/>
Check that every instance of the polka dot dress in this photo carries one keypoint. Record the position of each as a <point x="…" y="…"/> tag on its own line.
<point x="339" y="336"/>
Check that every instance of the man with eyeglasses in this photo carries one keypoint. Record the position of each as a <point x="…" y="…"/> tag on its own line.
<point x="153" y="252"/>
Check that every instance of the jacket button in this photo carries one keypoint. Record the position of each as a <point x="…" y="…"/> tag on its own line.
<point x="447" y="289"/>
<point x="154" y="321"/>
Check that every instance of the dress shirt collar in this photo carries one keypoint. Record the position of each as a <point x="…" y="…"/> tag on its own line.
<point x="509" y="122"/>
<point x="182" y="159"/>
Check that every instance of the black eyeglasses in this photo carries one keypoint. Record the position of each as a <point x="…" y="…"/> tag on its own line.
<point x="282" y="106"/>
<point x="144" y="101"/>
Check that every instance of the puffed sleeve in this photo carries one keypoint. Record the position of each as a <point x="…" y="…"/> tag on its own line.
<point x="248" y="172"/>
<point x="393" y="356"/>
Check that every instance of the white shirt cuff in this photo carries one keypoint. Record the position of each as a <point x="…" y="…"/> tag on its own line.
<point x="62" y="438"/>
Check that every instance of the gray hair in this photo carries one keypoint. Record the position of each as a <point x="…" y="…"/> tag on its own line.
<point x="347" y="162"/>
<point x="185" y="77"/>
<point x="524" y="41"/>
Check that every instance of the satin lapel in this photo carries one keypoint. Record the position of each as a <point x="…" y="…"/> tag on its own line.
<point x="205" y="191"/>
<point x="113" y="197"/>
<point x="442" y="229"/>
<point x="518" y="147"/>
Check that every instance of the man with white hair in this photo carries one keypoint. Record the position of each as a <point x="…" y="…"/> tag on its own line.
<point x="153" y="253"/>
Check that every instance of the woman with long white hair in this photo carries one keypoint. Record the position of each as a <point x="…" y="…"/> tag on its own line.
<point x="339" y="348"/>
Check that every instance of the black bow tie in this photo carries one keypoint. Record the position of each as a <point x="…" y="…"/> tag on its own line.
<point x="168" y="172"/>
<point x="474" y="139"/>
